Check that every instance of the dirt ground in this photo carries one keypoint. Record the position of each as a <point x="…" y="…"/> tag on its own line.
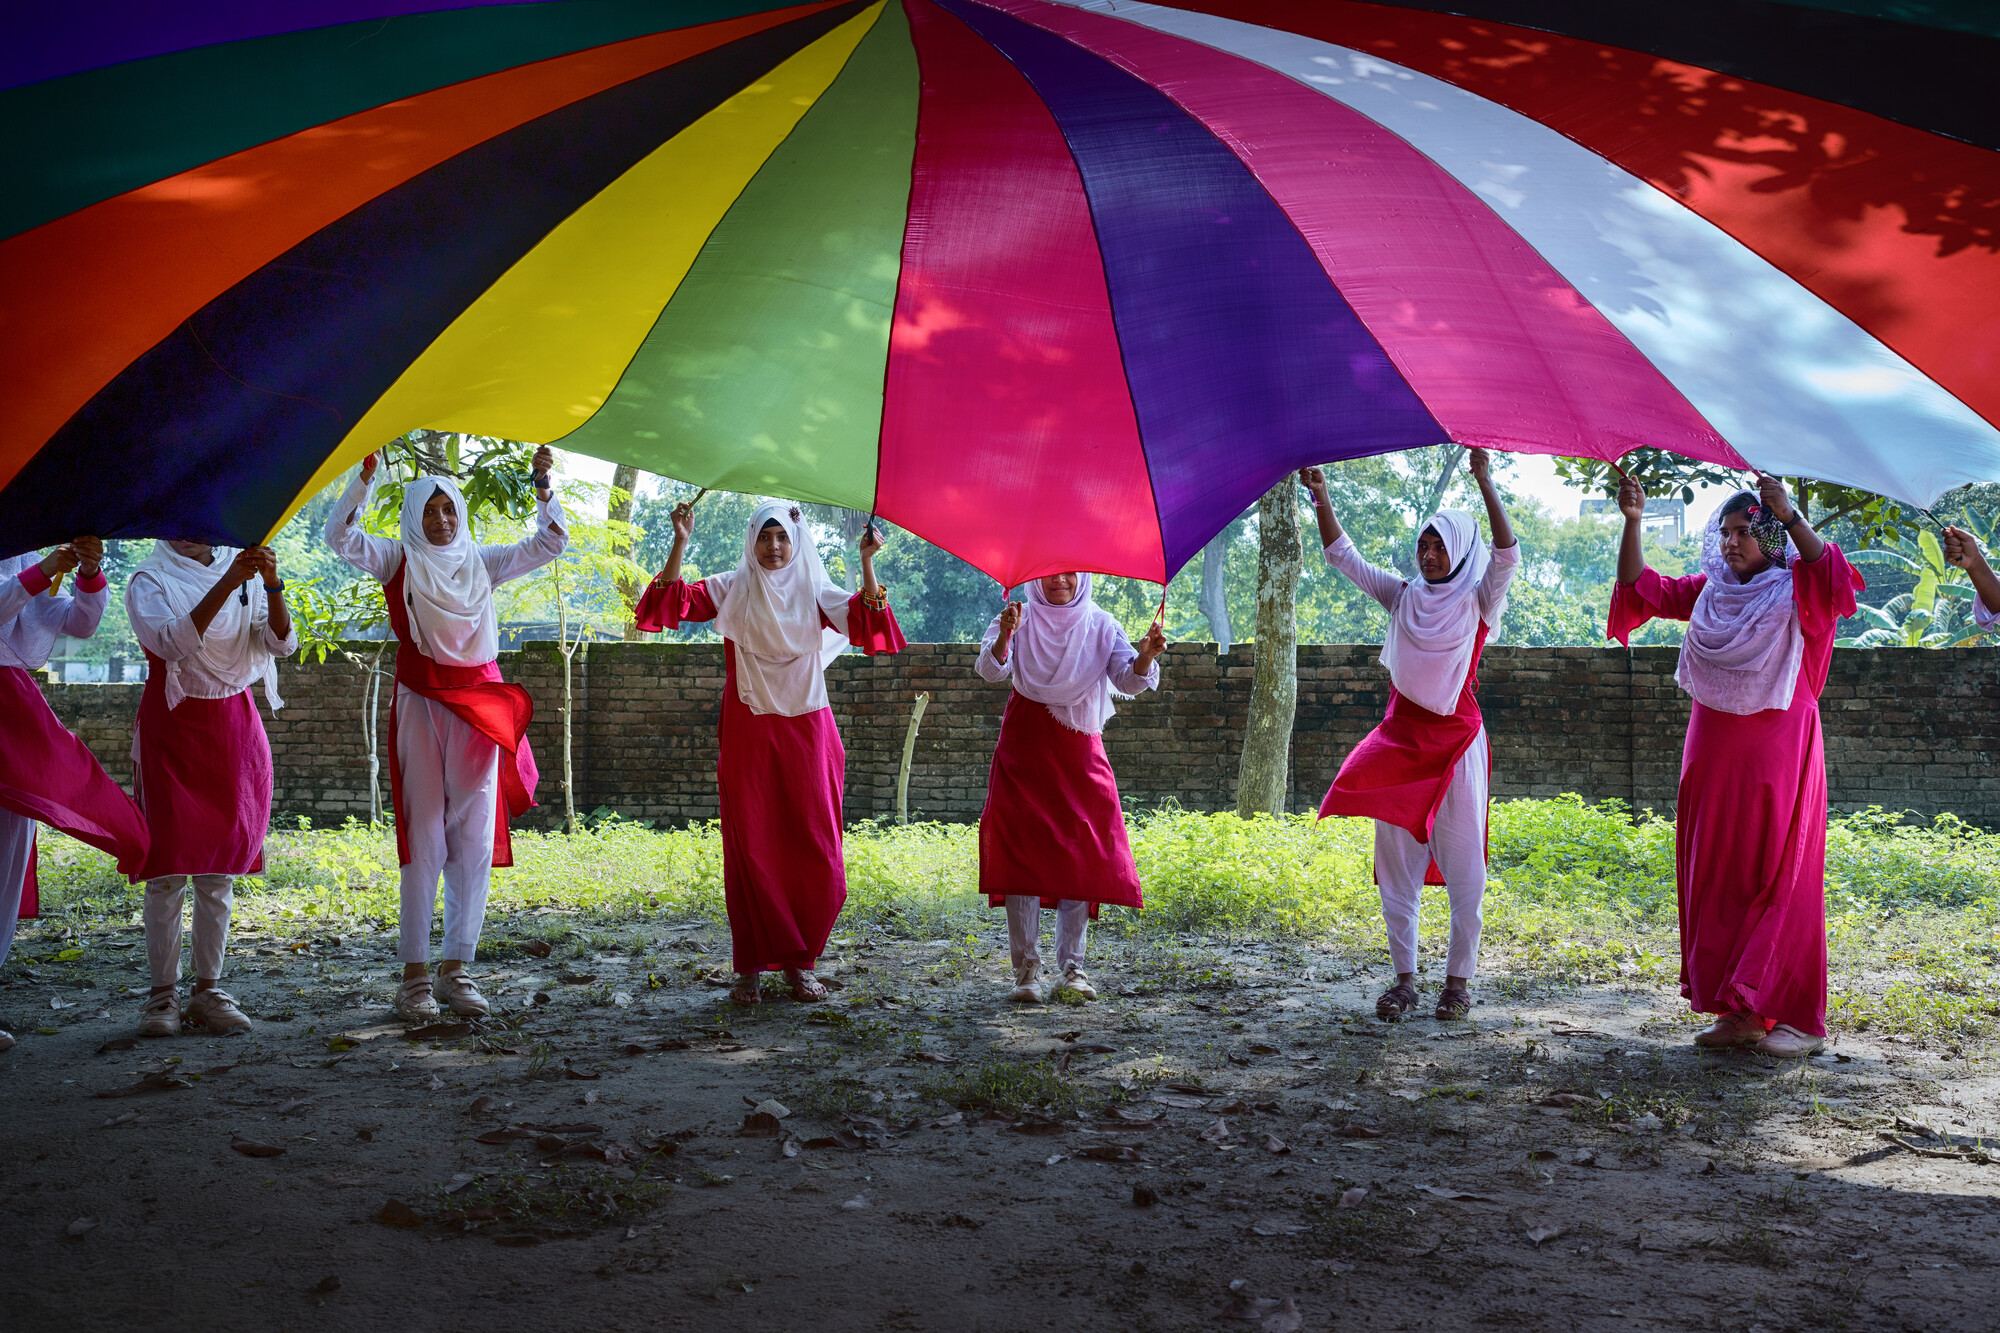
<point x="1378" y="1176"/>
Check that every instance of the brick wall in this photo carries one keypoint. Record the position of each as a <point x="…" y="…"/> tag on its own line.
<point x="1908" y="729"/>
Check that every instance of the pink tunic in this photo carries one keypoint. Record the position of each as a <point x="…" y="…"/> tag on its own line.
<point x="1750" y="844"/>
<point x="1053" y="826"/>
<point x="47" y="774"/>
<point x="779" y="778"/>
<point x="202" y="772"/>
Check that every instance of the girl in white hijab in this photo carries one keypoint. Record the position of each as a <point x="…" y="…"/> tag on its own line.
<point x="781" y="765"/>
<point x="459" y="760"/>
<point x="1053" y="832"/>
<point x="200" y="758"/>
<point x="1423" y="775"/>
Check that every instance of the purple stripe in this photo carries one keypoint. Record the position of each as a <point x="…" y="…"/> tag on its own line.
<point x="47" y="40"/>
<point x="1243" y="359"/>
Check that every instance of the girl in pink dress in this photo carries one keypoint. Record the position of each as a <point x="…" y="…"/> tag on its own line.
<point x="781" y="766"/>
<point x="1424" y="774"/>
<point x="1750" y="841"/>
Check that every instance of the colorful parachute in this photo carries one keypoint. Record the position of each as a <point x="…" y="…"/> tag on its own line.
<point x="1055" y="285"/>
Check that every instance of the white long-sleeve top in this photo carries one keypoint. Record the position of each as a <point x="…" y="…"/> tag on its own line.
<point x="172" y="638"/>
<point x="1980" y="615"/>
<point x="1118" y="670"/>
<point x="382" y="557"/>
<point x="1386" y="586"/>
<point x="31" y="621"/>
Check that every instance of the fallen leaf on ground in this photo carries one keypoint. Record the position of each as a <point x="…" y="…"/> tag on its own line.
<point x="760" y="1125"/>
<point x="326" y="1285"/>
<point x="438" y="1032"/>
<point x="118" y="1044"/>
<point x="1185" y="1087"/>
<point x="1544" y="1231"/>
<point x="1243" y="1308"/>
<point x="1143" y="1197"/>
<point x="155" y="1082"/>
<point x="1352" y="1198"/>
<point x="1277" y="1226"/>
<point x="1285" y="1319"/>
<point x="858" y="1201"/>
<point x="1235" y="1106"/>
<point x="676" y="1044"/>
<point x="790" y="1147"/>
<point x="1261" y="1048"/>
<point x="772" y="1106"/>
<point x="1274" y="1144"/>
<point x="1180" y="1102"/>
<point x="631" y="1048"/>
<point x="291" y="1104"/>
<point x="537" y="948"/>
<point x="1093" y="1048"/>
<point x="1111" y="1152"/>
<point x="115" y="1120"/>
<point x="1041" y="1127"/>
<point x="1059" y="1157"/>
<point x="462" y="1179"/>
<point x="81" y="1225"/>
<point x="1144" y="1115"/>
<point x="840" y="1138"/>
<point x="341" y="1043"/>
<point x="570" y="1071"/>
<point x="1361" y="1132"/>
<point x="252" y="1148"/>
<point x="567" y="1127"/>
<point x="511" y="1134"/>
<point x="1460" y="1196"/>
<point x="1216" y="1133"/>
<point x="485" y="1105"/>
<point x="931" y="1058"/>
<point x="1408" y="1094"/>
<point x="396" y="1213"/>
<point x="1567" y="1099"/>
<point x="946" y="1122"/>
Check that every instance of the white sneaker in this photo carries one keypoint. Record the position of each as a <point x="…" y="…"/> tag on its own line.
<point x="456" y="990"/>
<point x="1027" y="984"/>
<point x="216" y="1010"/>
<point x="6" y="1040"/>
<point x="414" y="1003"/>
<point x="1076" y="983"/>
<point x="1788" y="1043"/>
<point x="160" y="1016"/>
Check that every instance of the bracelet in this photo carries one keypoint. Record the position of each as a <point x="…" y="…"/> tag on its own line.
<point x="279" y="586"/>
<point x="1796" y="517"/>
<point x="877" y="600"/>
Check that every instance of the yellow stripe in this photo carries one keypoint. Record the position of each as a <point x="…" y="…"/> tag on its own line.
<point x="542" y="348"/>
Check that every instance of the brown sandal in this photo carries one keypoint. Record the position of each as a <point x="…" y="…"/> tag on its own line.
<point x="746" y="993"/>
<point x="1393" y="1003"/>
<point x="806" y="988"/>
<point x="1453" y="1002"/>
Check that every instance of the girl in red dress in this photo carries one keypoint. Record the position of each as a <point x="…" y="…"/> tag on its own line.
<point x="781" y="766"/>
<point x="1053" y="833"/>
<point x="1750" y="835"/>
<point x="1423" y="775"/>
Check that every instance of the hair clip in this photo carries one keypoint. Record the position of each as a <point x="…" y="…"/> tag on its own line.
<point x="795" y="514"/>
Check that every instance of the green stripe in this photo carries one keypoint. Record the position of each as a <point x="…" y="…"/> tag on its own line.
<point x="67" y="143"/>
<point x="1980" y="16"/>
<point x="764" y="373"/>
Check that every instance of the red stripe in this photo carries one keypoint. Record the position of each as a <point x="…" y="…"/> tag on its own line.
<point x="1897" y="228"/>
<point x="1007" y="429"/>
<point x="87" y="294"/>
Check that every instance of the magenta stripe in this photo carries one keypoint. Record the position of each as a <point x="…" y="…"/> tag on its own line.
<point x="1502" y="350"/>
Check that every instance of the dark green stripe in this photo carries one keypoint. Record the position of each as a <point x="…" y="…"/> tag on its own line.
<point x="764" y="373"/>
<point x="67" y="143"/>
<point x="1980" y="16"/>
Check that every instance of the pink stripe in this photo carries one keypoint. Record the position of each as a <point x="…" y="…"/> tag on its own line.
<point x="1503" y="351"/>
<point x="1008" y="436"/>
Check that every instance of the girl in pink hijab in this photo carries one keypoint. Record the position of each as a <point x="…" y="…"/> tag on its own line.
<point x="1424" y="774"/>
<point x="1750" y="815"/>
<point x="1053" y="832"/>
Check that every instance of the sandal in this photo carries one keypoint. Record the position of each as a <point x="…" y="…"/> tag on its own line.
<point x="746" y="993"/>
<point x="1393" y="1003"/>
<point x="1453" y="1002"/>
<point x="806" y="988"/>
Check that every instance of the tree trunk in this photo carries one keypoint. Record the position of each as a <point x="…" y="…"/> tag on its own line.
<point x="625" y="479"/>
<point x="1263" y="776"/>
<point x="1214" y="598"/>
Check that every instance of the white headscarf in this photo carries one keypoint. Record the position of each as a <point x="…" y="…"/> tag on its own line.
<point x="773" y="618"/>
<point x="1061" y="656"/>
<point x="231" y="650"/>
<point x="1743" y="645"/>
<point x="1428" y="648"/>
<point x="446" y="589"/>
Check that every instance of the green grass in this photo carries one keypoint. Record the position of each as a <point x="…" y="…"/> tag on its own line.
<point x="1578" y="894"/>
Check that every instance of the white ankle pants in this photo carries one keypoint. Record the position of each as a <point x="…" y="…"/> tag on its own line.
<point x="451" y="786"/>
<point x="164" y="896"/>
<point x="17" y="846"/>
<point x="1024" y="929"/>
<point x="1458" y="843"/>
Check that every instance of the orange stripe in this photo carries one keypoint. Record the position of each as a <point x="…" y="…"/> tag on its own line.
<point x="87" y="294"/>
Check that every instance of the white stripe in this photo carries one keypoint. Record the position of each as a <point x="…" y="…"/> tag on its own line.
<point x="1796" y="386"/>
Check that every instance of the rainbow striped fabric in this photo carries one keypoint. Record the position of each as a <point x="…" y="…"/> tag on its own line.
<point x="1055" y="285"/>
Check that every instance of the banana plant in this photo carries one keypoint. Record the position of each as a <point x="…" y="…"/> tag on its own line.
<point x="1919" y="618"/>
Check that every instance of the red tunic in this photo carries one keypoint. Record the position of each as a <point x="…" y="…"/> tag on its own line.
<point x="1750" y="842"/>
<point x="47" y="774"/>
<point x="202" y="773"/>
<point x="1402" y="769"/>
<point x="779" y="779"/>
<point x="479" y="698"/>
<point x="1053" y="825"/>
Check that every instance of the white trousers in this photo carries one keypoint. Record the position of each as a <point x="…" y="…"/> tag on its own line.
<point x="451" y="784"/>
<point x="164" y="896"/>
<point x="1024" y="929"/>
<point x="17" y="844"/>
<point x="1458" y="843"/>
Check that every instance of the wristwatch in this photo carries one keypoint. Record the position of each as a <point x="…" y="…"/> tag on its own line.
<point x="279" y="586"/>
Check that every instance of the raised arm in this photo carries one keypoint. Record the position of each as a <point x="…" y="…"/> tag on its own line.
<point x="992" y="664"/>
<point x="1135" y="669"/>
<point x="86" y="603"/>
<point x="376" y="556"/>
<point x="1480" y="463"/>
<point x="1771" y="494"/>
<point x="1314" y="480"/>
<point x="549" y="539"/>
<point x="1961" y="548"/>
<point x="1631" y="555"/>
